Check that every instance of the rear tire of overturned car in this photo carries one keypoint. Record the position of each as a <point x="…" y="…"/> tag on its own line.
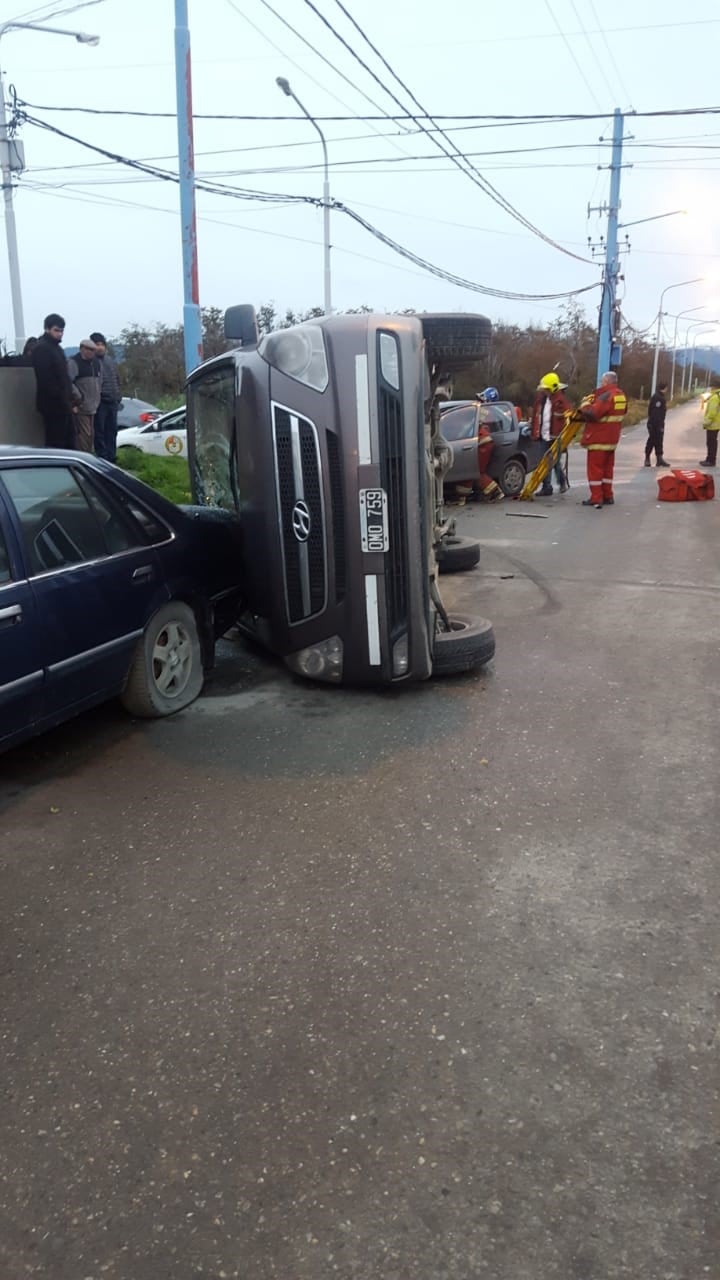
<point x="456" y="554"/>
<point x="470" y="643"/>
<point x="167" y="671"/>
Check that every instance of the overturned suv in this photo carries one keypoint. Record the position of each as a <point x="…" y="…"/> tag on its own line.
<point x="325" y="439"/>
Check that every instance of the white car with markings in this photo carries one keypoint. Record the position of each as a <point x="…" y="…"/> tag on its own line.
<point x="165" y="437"/>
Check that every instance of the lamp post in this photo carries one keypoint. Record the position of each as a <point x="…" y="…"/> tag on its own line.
<point x="7" y="169"/>
<point x="680" y="285"/>
<point x="284" y="84"/>
<point x="688" y="312"/>
<point x="696" y="324"/>
<point x="711" y="324"/>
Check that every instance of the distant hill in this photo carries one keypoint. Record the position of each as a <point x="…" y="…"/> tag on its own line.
<point x="705" y="358"/>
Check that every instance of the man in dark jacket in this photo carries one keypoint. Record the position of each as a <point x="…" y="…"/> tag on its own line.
<point x="657" y="408"/>
<point x="110" y="400"/>
<point x="54" y="398"/>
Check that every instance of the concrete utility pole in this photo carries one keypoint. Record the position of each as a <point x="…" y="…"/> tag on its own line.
<point x="192" y="320"/>
<point x="606" y="335"/>
<point x="8" y="168"/>
<point x="11" y="161"/>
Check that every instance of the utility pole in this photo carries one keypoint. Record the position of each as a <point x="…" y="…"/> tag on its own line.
<point x="7" y="168"/>
<point x="607" y="351"/>
<point x="192" y="320"/>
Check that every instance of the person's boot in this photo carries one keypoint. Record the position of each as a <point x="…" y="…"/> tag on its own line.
<point x="707" y="463"/>
<point x="588" y="502"/>
<point x="608" y="502"/>
<point x="647" y="462"/>
<point x="662" y="463"/>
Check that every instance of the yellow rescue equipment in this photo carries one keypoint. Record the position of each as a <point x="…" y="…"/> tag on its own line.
<point x="573" y="426"/>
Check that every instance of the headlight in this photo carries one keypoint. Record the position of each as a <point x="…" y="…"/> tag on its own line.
<point x="400" y="656"/>
<point x="323" y="661"/>
<point x="298" y="352"/>
<point x="389" y="363"/>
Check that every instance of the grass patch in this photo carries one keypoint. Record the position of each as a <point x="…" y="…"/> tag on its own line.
<point x="637" y="412"/>
<point x="168" y="476"/>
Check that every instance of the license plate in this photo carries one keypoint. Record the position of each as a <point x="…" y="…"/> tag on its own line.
<point x="374" y="520"/>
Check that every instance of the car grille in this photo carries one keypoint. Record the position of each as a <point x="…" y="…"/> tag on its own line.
<point x="302" y="514"/>
<point x="392" y="478"/>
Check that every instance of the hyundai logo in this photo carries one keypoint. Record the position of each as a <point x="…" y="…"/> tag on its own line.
<point x="301" y="521"/>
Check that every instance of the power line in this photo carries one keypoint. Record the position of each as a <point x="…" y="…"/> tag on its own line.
<point x="338" y="206"/>
<point x="612" y="58"/>
<point x="568" y="46"/>
<point x="493" y="121"/>
<point x="461" y="162"/>
<point x="295" y="64"/>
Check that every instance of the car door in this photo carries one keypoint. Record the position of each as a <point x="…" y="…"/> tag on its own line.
<point x="21" y="665"/>
<point x="92" y="572"/>
<point x="170" y="436"/>
<point x="501" y="421"/>
<point x="459" y="427"/>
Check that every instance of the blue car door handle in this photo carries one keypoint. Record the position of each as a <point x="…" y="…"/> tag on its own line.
<point x="12" y="614"/>
<point x="142" y="573"/>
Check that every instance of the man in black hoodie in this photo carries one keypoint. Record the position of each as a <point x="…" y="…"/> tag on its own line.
<point x="657" y="408"/>
<point x="54" y="398"/>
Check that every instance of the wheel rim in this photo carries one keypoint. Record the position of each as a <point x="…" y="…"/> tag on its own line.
<point x="172" y="659"/>
<point x="513" y="477"/>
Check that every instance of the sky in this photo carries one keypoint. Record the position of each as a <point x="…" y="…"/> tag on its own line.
<point x="101" y="243"/>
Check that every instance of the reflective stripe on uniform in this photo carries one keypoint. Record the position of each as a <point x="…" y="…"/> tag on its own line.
<point x="605" y="448"/>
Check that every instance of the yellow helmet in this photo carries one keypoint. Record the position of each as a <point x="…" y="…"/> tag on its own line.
<point x="550" y="382"/>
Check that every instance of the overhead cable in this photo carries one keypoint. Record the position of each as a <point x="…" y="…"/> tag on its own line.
<point x="221" y="189"/>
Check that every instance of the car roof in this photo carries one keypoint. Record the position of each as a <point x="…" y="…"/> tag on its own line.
<point x="14" y="452"/>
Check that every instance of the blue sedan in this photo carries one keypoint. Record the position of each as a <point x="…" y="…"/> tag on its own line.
<point x="106" y="589"/>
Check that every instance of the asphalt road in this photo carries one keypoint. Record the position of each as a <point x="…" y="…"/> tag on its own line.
<point x="420" y="985"/>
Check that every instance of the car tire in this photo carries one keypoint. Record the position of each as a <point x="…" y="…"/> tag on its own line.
<point x="167" y="670"/>
<point x="513" y="476"/>
<point x="455" y="554"/>
<point x="470" y="643"/>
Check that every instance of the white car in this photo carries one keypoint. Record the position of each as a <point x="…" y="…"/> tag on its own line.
<point x="166" y="436"/>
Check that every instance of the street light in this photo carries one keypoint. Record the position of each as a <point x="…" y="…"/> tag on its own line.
<point x="711" y="324"/>
<point x="284" y="84"/>
<point x="688" y="312"/>
<point x="695" y="325"/>
<point x="680" y="285"/>
<point x="7" y="169"/>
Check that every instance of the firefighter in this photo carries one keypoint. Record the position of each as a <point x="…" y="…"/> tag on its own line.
<point x="548" y="419"/>
<point x="603" y="411"/>
<point x="490" y="489"/>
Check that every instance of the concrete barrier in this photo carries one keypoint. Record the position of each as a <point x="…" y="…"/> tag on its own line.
<point x="20" y="422"/>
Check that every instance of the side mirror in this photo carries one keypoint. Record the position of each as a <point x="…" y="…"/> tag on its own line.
<point x="241" y="325"/>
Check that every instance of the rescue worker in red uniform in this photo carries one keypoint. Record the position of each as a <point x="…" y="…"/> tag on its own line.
<point x="603" y="412"/>
<point x="490" y="489"/>
<point x="548" y="419"/>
